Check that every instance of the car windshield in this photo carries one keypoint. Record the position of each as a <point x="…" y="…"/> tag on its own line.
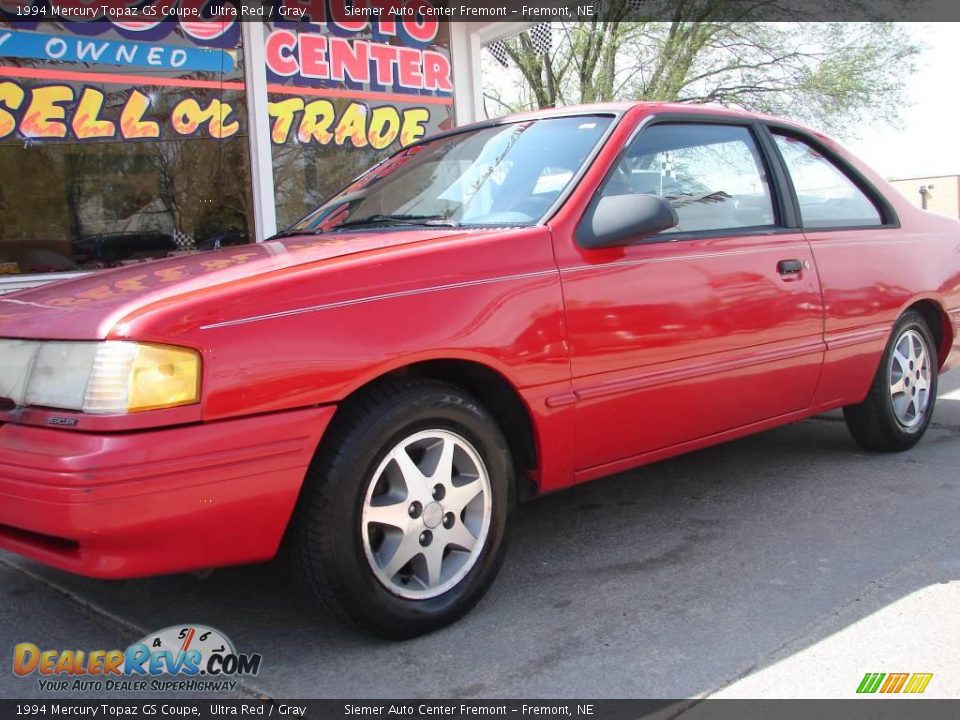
<point x="502" y="175"/>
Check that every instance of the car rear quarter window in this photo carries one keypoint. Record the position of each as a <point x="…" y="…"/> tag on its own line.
<point x="712" y="175"/>
<point x="827" y="197"/>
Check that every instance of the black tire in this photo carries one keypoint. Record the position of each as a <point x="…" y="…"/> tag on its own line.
<point x="326" y="539"/>
<point x="874" y="423"/>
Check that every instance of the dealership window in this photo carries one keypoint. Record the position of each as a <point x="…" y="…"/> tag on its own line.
<point x="712" y="175"/>
<point x="343" y="97"/>
<point x="119" y="145"/>
<point x="827" y="197"/>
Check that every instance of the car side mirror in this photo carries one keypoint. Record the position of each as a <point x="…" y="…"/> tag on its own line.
<point x="622" y="219"/>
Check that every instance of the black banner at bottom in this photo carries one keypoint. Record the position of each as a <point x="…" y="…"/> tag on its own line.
<point x="871" y="708"/>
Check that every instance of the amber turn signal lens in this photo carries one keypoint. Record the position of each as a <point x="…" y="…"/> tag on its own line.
<point x="163" y="376"/>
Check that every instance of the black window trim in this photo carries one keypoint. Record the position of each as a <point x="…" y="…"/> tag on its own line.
<point x="781" y="190"/>
<point x="888" y="216"/>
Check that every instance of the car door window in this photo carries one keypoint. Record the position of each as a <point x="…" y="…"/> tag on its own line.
<point x="827" y="197"/>
<point x="712" y="175"/>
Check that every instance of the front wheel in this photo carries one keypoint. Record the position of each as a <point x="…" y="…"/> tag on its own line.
<point x="402" y="524"/>
<point x="898" y="408"/>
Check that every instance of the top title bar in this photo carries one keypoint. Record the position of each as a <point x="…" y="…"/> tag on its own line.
<point x="352" y="12"/>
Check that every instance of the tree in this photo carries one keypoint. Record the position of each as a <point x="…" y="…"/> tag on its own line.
<point x="832" y="75"/>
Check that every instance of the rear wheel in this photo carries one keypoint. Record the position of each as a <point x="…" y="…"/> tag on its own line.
<point x="402" y="523"/>
<point x="899" y="406"/>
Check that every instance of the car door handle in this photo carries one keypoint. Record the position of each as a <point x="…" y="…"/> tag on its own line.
<point x="789" y="267"/>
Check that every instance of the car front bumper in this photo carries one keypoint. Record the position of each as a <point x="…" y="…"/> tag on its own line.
<point x="144" y="503"/>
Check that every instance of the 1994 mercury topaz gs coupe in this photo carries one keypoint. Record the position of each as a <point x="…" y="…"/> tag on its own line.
<point x="506" y="309"/>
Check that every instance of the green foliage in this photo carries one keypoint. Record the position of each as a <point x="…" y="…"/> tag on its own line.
<point x="835" y="76"/>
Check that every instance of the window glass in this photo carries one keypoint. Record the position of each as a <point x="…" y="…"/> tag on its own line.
<point x="505" y="174"/>
<point x="828" y="198"/>
<point x="120" y="143"/>
<point x="343" y="99"/>
<point x="712" y="175"/>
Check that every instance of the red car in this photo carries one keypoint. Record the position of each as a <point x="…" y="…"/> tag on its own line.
<point x="496" y="312"/>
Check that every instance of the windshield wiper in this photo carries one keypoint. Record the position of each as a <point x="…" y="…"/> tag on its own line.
<point x="293" y="232"/>
<point x="428" y="220"/>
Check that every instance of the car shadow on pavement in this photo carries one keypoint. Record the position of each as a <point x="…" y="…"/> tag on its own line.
<point x="668" y="581"/>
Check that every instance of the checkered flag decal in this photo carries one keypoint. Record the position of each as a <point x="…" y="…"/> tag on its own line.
<point x="499" y="52"/>
<point x="182" y="240"/>
<point x="668" y="167"/>
<point x="541" y="35"/>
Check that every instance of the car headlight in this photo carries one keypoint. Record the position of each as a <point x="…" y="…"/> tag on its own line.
<point x="103" y="378"/>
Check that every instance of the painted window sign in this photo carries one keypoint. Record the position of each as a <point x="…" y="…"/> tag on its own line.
<point x="140" y="124"/>
<point x="78" y="49"/>
<point x="204" y="33"/>
<point x="311" y="56"/>
<point x="382" y="55"/>
<point x="318" y="121"/>
<point x="56" y="111"/>
<point x="348" y="83"/>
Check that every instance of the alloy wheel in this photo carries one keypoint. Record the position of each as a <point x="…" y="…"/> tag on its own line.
<point x="426" y="514"/>
<point x="910" y="378"/>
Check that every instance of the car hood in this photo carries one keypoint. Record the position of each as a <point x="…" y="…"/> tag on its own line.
<point x="89" y="307"/>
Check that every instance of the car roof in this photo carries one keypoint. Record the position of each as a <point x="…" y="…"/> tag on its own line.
<point x="621" y="108"/>
<point x="647" y="107"/>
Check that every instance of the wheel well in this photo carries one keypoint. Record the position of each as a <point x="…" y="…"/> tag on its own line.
<point x="939" y="325"/>
<point x="498" y="395"/>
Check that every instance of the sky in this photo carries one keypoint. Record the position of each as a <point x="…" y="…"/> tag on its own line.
<point x="928" y="143"/>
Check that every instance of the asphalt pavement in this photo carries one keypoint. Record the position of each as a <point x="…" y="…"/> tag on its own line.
<point x="787" y="564"/>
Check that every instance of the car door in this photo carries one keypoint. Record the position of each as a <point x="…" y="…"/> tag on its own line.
<point x="712" y="325"/>
<point x="856" y="238"/>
